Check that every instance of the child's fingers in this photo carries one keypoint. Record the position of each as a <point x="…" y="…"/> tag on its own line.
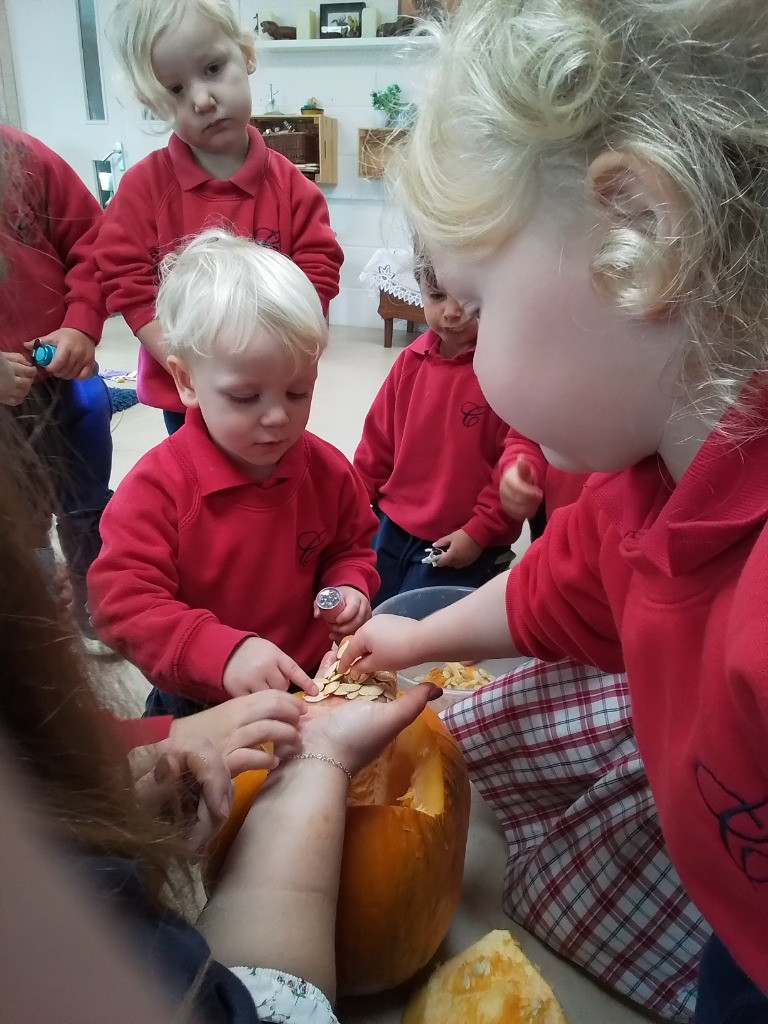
<point x="291" y="673"/>
<point x="264" y="705"/>
<point x="281" y="734"/>
<point x="245" y="759"/>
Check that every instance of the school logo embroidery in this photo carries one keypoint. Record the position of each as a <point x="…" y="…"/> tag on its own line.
<point x="309" y="542"/>
<point x="472" y="413"/>
<point x="743" y="824"/>
<point x="269" y="237"/>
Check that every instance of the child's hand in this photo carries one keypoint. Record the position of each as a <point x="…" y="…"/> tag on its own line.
<point x="75" y="354"/>
<point x="385" y="642"/>
<point x="258" y="664"/>
<point x="238" y="728"/>
<point x="357" y="610"/>
<point x="186" y="783"/>
<point x="17" y="375"/>
<point x="460" y="550"/>
<point x="519" y="492"/>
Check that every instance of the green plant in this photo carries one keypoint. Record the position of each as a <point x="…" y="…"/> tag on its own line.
<point x="390" y="100"/>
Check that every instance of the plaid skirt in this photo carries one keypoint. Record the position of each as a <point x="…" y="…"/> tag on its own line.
<point x="552" y="750"/>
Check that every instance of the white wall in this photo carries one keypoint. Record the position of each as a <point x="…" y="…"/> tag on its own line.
<point x="52" y="106"/>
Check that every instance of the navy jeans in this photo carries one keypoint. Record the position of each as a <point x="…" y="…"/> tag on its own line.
<point x="66" y="423"/>
<point x="161" y="703"/>
<point x="725" y="994"/>
<point x="398" y="562"/>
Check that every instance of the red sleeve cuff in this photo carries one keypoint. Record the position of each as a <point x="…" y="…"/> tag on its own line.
<point x="139" y="732"/>
<point x="83" y="317"/>
<point x="365" y="579"/>
<point x="138" y="317"/>
<point x="200" y="666"/>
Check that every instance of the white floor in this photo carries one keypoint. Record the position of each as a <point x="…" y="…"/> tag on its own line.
<point x="351" y="372"/>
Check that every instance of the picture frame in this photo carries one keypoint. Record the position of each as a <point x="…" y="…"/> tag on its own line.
<point x="341" y="20"/>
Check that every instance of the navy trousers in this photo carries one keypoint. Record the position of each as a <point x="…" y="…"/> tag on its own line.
<point x="725" y="994"/>
<point x="398" y="562"/>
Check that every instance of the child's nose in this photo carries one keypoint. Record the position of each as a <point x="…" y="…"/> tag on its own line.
<point x="452" y="310"/>
<point x="202" y="99"/>
<point x="275" y="416"/>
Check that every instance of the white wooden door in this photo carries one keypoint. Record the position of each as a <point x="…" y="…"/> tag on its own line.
<point x="45" y="41"/>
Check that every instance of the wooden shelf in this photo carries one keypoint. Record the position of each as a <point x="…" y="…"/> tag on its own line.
<point x="374" y="146"/>
<point x="317" y="142"/>
<point x="288" y="46"/>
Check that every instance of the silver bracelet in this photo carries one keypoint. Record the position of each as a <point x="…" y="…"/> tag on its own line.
<point x="322" y="757"/>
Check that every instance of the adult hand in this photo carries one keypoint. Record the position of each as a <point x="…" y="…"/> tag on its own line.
<point x="75" y="353"/>
<point x="238" y="728"/>
<point x="519" y="492"/>
<point x="357" y="610"/>
<point x="185" y="782"/>
<point x="460" y="550"/>
<point x="354" y="732"/>
<point x="17" y="375"/>
<point x="257" y="664"/>
<point x="385" y="642"/>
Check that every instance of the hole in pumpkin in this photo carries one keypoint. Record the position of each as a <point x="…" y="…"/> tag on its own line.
<point x="408" y="774"/>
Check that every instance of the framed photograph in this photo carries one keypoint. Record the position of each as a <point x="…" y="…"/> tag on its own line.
<point x="340" y="21"/>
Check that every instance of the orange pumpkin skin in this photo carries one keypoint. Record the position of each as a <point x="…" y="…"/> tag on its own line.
<point x="402" y="867"/>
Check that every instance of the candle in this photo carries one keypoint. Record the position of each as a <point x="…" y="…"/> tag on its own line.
<point x="306" y="24"/>
<point x="370" y="22"/>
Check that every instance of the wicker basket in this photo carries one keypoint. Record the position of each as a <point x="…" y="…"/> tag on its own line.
<point x="293" y="145"/>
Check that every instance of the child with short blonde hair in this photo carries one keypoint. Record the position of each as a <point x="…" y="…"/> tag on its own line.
<point x="189" y="61"/>
<point x="218" y="540"/>
<point x="593" y="176"/>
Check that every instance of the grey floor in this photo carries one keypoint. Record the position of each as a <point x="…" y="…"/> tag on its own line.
<point x="351" y="372"/>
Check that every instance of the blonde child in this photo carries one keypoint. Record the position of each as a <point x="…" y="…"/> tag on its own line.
<point x="217" y="542"/>
<point x="603" y="174"/>
<point x="428" y="455"/>
<point x="189" y="61"/>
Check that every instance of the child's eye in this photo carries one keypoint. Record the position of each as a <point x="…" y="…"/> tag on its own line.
<point x="175" y="90"/>
<point x="215" y="68"/>
<point x="297" y="396"/>
<point x="243" y="399"/>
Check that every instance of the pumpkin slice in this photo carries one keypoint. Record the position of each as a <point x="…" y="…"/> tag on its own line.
<point x="492" y="982"/>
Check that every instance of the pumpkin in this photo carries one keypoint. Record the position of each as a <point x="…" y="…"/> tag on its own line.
<point x="403" y="859"/>
<point x="492" y="982"/>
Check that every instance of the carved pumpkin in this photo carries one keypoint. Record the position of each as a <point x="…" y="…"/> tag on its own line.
<point x="492" y="982"/>
<point x="403" y="861"/>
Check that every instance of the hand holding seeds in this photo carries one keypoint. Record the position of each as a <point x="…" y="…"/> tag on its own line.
<point x="381" y="684"/>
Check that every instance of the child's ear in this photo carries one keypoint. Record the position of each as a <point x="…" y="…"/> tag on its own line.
<point x="637" y="194"/>
<point x="249" y="52"/>
<point x="183" y="381"/>
<point x="646" y="209"/>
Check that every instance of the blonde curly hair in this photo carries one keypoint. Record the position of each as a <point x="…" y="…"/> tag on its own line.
<point x="136" y="25"/>
<point x="526" y="89"/>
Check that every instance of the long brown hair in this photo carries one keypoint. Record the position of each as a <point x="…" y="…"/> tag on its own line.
<point x="63" y="737"/>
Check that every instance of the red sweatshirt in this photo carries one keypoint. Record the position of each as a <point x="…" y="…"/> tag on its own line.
<point x="168" y="197"/>
<point x="560" y="488"/>
<point x="429" y="448"/>
<point x="50" y="221"/>
<point x="197" y="556"/>
<point x="672" y="583"/>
